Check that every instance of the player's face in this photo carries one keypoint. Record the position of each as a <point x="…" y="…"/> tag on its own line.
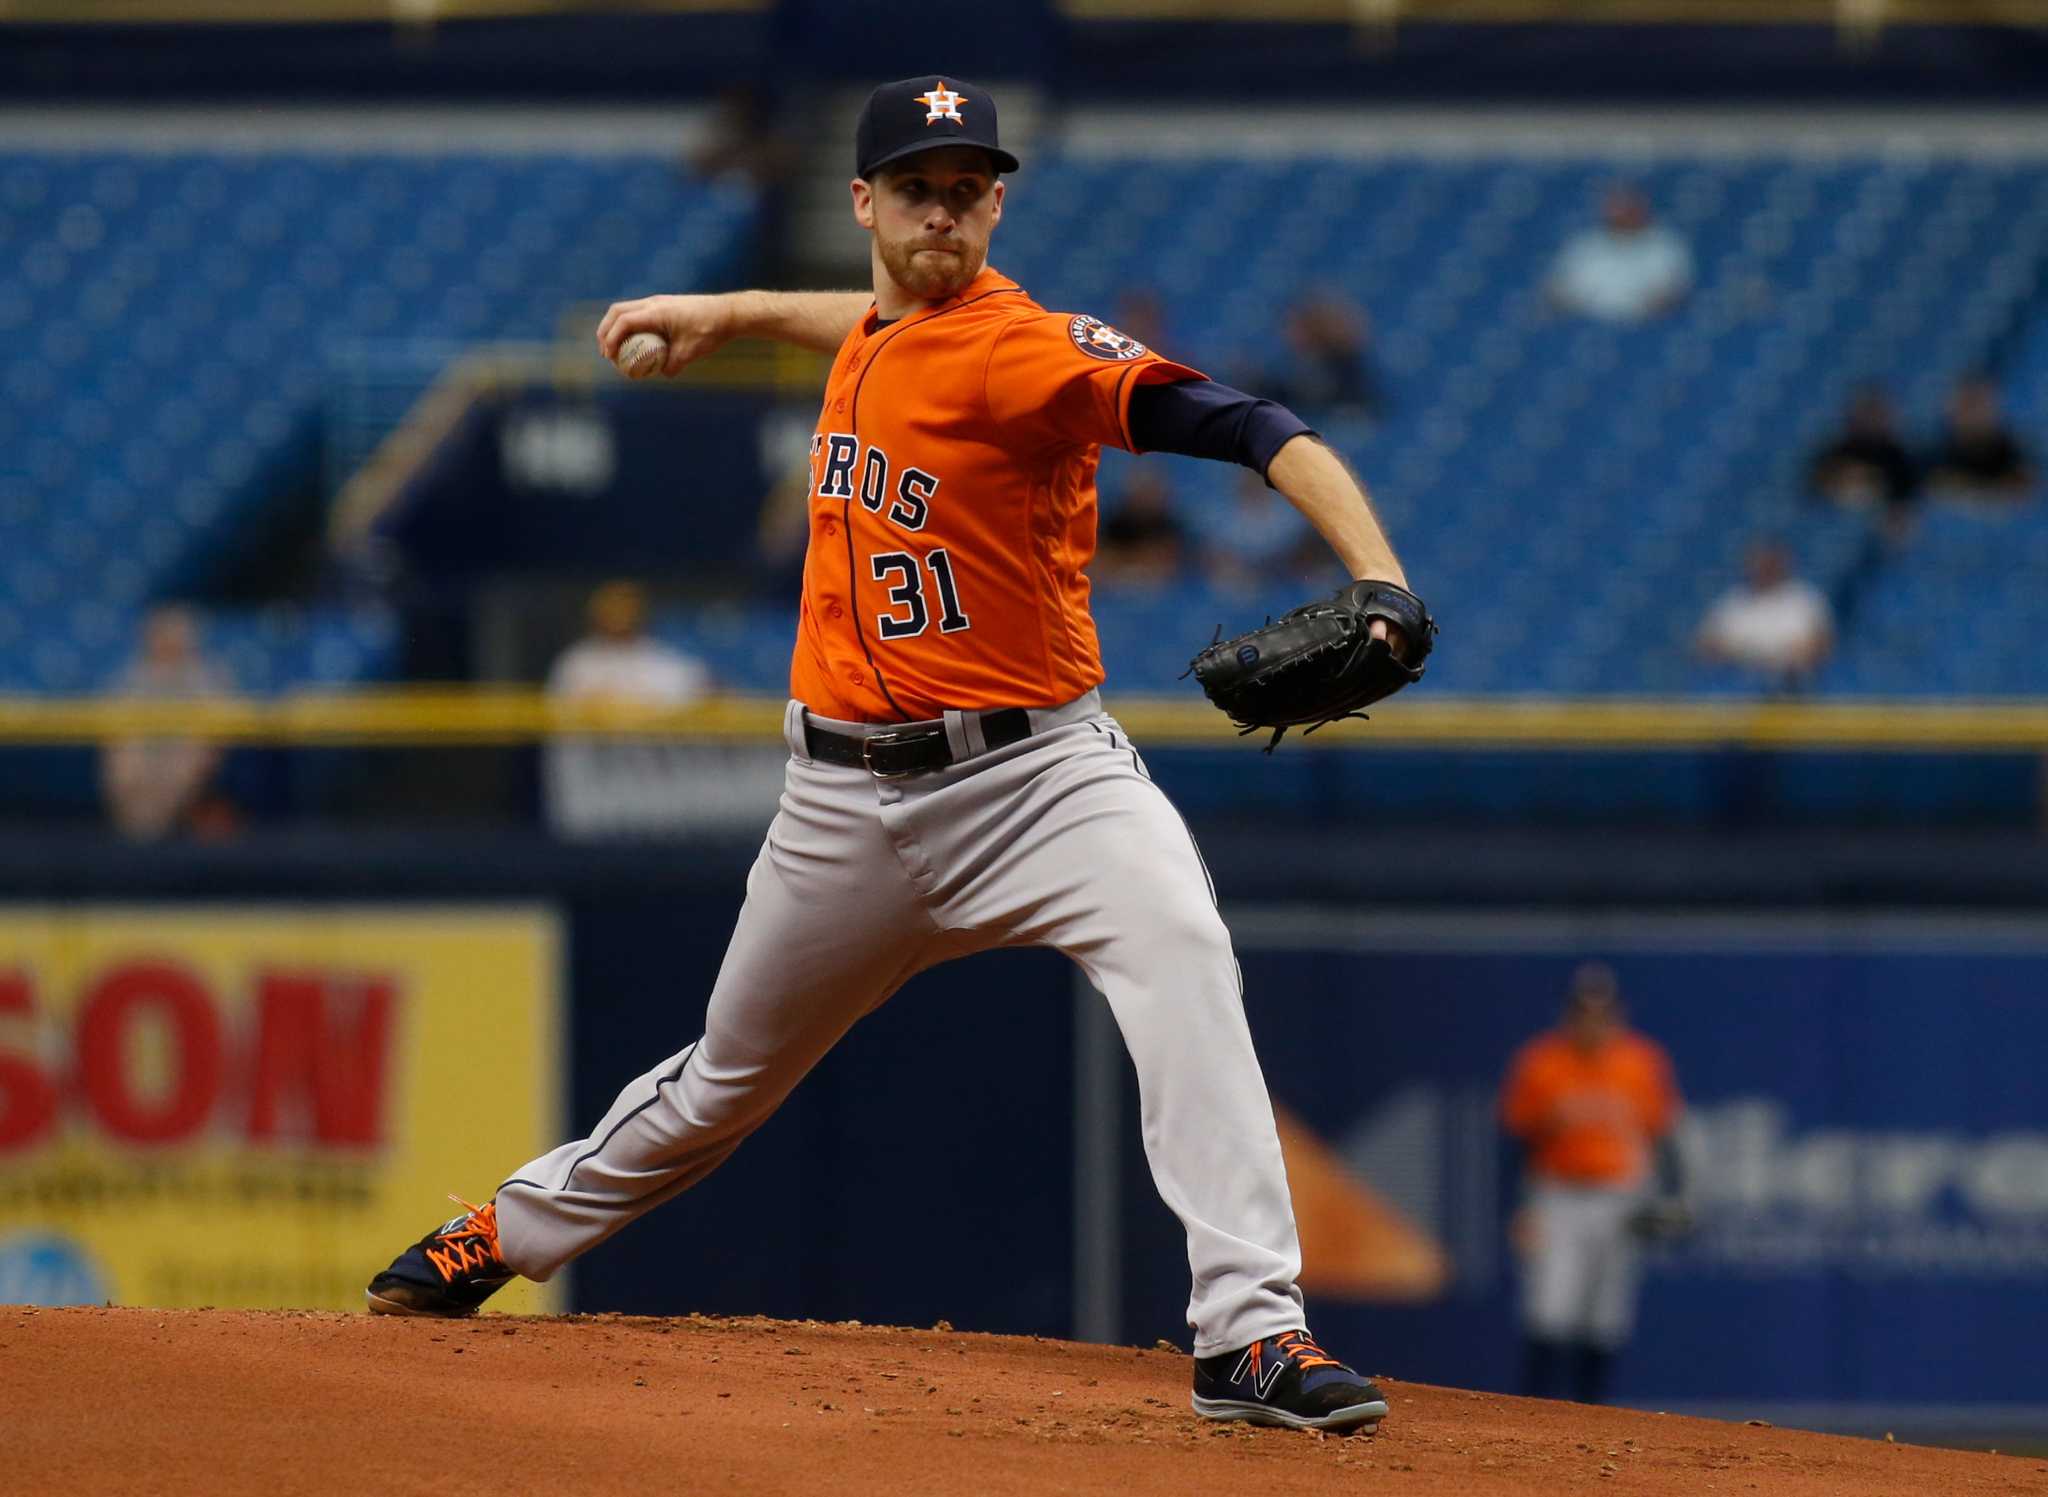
<point x="931" y="216"/>
<point x="1592" y="1020"/>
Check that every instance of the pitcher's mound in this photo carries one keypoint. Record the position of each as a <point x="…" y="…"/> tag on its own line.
<point x="232" y="1402"/>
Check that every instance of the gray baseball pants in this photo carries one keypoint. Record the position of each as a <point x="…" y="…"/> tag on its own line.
<point x="1060" y="840"/>
<point x="1585" y="1266"/>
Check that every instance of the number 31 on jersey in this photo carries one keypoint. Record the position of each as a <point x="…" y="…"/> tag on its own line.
<point x="909" y="507"/>
<point x="907" y="593"/>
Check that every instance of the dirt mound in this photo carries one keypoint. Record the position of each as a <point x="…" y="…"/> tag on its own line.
<point x="229" y="1402"/>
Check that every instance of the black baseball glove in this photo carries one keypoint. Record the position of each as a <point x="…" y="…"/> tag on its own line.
<point x="1318" y="664"/>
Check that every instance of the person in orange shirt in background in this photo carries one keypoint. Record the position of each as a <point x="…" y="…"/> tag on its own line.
<point x="1593" y="1104"/>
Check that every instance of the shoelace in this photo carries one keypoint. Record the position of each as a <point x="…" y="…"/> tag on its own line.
<point x="1300" y="1348"/>
<point x="462" y="1254"/>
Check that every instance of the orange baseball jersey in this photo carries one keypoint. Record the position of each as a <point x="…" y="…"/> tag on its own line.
<point x="953" y="507"/>
<point x="1589" y="1118"/>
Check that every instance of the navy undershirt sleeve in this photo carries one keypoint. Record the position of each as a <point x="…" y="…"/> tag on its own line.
<point x="1200" y="418"/>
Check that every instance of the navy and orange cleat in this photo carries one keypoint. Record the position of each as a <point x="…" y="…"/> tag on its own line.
<point x="448" y="1272"/>
<point x="1287" y="1380"/>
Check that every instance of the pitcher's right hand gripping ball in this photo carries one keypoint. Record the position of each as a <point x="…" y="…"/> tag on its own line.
<point x="1318" y="664"/>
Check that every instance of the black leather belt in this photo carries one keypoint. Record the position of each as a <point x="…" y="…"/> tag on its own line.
<point x="893" y="753"/>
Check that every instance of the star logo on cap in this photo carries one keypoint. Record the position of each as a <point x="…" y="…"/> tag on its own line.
<point x="942" y="103"/>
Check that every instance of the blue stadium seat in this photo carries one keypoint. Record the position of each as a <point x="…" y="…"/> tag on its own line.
<point x="1524" y="455"/>
<point x="173" y="325"/>
<point x="174" y="322"/>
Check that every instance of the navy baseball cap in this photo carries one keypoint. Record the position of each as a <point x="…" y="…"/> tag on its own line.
<point x="917" y="114"/>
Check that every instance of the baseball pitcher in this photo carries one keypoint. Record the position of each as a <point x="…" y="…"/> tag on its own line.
<point x="954" y="783"/>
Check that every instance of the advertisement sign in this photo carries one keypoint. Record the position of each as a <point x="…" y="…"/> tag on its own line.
<point x="260" y="1106"/>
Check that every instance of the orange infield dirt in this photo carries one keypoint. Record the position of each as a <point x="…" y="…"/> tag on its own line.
<point x="228" y="1402"/>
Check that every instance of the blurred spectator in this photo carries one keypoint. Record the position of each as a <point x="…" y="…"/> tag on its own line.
<point x="1326" y="371"/>
<point x="155" y="787"/>
<point x="1867" y="465"/>
<point x="1774" y="623"/>
<point x="748" y="135"/>
<point x="755" y="136"/>
<point x="1629" y="269"/>
<point x="1979" y="458"/>
<point x="1593" y="1105"/>
<point x="1260" y="538"/>
<point x="1141" y="544"/>
<point x="619" y="661"/>
<point x="618" y="785"/>
<point x="783" y="535"/>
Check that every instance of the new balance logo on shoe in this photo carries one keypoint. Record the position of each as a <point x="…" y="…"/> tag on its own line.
<point x="1287" y="1380"/>
<point x="1263" y="1377"/>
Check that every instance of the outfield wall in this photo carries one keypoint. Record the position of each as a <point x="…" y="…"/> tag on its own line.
<point x="1869" y="1145"/>
<point x="1874" y="1189"/>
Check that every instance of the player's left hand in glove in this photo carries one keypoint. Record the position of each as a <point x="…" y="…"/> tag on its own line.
<point x="1321" y="662"/>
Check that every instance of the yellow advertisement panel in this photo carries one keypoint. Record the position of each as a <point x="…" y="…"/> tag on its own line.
<point x="260" y="1106"/>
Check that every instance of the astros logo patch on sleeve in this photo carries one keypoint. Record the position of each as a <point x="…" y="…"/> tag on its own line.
<point x="1099" y="340"/>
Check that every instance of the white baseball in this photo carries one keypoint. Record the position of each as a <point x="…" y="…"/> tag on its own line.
<point x="641" y="355"/>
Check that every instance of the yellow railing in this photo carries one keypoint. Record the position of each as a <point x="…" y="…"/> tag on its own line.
<point x="421" y="717"/>
<point x="429" y="717"/>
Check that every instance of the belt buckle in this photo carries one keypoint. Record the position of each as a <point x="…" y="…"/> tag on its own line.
<point x="867" y="756"/>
